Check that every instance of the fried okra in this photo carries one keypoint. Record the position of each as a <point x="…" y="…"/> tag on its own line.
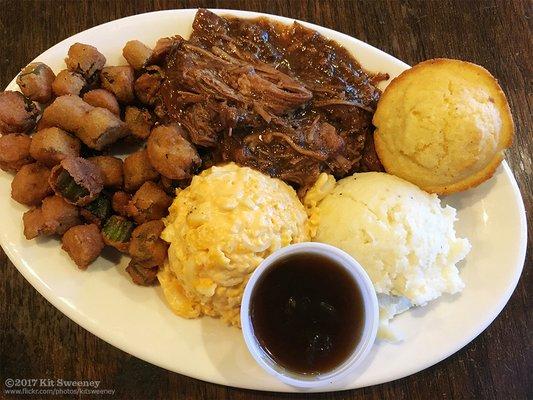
<point x="139" y="121"/>
<point x="137" y="170"/>
<point x="83" y="243"/>
<point x="98" y="210"/>
<point x="119" y="81"/>
<point x="170" y="153"/>
<point x="30" y="184"/>
<point x="84" y="59"/>
<point x="14" y="151"/>
<point x="96" y="127"/>
<point x="51" y="145"/>
<point x="55" y="216"/>
<point x="120" y="202"/>
<point x="17" y="113"/>
<point x="147" y="85"/>
<point x="101" y="128"/>
<point x="117" y="232"/>
<point x="146" y="246"/>
<point x="149" y="202"/>
<point x="112" y="170"/>
<point x="59" y="216"/>
<point x="77" y="180"/>
<point x="136" y="53"/>
<point x="66" y="112"/>
<point x="170" y="185"/>
<point x="68" y="82"/>
<point x="140" y="275"/>
<point x="35" y="82"/>
<point x="102" y="98"/>
<point x="33" y="223"/>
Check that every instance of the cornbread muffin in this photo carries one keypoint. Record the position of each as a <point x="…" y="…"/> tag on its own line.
<point x="402" y="236"/>
<point x="220" y="228"/>
<point x="443" y="125"/>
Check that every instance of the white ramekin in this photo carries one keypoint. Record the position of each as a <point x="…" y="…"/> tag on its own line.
<point x="368" y="336"/>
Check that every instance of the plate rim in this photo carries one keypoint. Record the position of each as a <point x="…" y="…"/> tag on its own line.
<point x="100" y="332"/>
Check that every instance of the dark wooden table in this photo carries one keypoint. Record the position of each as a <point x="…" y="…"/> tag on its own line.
<point x="37" y="341"/>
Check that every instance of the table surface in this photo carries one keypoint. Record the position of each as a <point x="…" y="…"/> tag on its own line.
<point x="37" y="341"/>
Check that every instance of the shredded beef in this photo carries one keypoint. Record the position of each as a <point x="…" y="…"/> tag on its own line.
<point x="281" y="99"/>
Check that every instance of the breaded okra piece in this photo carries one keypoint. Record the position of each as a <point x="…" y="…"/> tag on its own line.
<point x="99" y="210"/>
<point x="150" y="202"/>
<point x="141" y="275"/>
<point x="119" y="81"/>
<point x="51" y="145"/>
<point x="137" y="170"/>
<point x="120" y="202"/>
<point x="58" y="215"/>
<point x="18" y="114"/>
<point x="136" y="53"/>
<point x="35" y="82"/>
<point x="117" y="232"/>
<point x="101" y="128"/>
<point x="77" y="180"/>
<point x="146" y="246"/>
<point x="68" y="82"/>
<point x="14" y="151"/>
<point x="66" y="112"/>
<point x="102" y="98"/>
<point x="33" y="223"/>
<point x="30" y="184"/>
<point x="147" y="85"/>
<point x="96" y="127"/>
<point x="84" y="59"/>
<point x="112" y="169"/>
<point x="139" y="121"/>
<point x="55" y="216"/>
<point x="83" y="243"/>
<point x="170" y="153"/>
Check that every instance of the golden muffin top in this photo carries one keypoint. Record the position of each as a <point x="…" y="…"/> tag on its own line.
<point x="443" y="125"/>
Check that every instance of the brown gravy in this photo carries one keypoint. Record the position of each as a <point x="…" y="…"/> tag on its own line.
<point x="307" y="313"/>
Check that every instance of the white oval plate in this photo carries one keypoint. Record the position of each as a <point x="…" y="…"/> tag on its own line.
<point x="104" y="301"/>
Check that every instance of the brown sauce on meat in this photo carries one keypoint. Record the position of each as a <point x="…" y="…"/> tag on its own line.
<point x="307" y="313"/>
<point x="279" y="98"/>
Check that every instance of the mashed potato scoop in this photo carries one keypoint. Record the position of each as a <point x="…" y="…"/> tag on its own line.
<point x="400" y="234"/>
